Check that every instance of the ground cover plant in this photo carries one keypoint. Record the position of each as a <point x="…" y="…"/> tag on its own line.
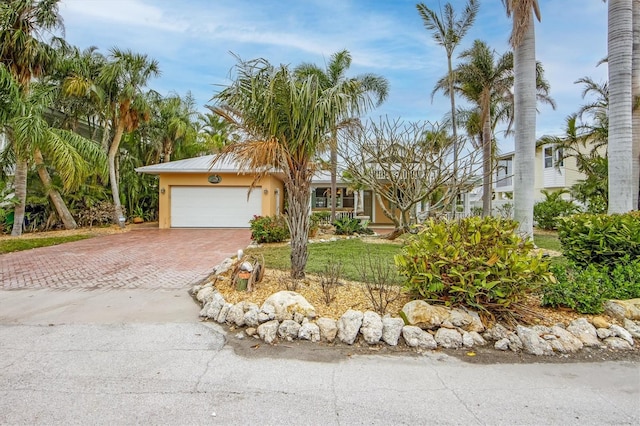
<point x="11" y="245"/>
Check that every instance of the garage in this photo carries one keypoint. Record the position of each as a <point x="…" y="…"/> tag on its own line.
<point x="214" y="207"/>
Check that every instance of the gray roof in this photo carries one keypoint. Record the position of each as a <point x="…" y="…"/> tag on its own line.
<point x="193" y="165"/>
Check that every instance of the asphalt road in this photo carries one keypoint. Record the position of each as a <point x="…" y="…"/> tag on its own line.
<point x="63" y="365"/>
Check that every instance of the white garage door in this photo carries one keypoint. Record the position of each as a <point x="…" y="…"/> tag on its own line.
<point x="219" y="207"/>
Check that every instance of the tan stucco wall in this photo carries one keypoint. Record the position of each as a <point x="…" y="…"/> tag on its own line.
<point x="270" y="187"/>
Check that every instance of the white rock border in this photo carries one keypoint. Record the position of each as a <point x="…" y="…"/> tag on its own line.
<point x="297" y="321"/>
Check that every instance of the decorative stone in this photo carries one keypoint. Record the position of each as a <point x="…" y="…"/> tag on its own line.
<point x="532" y="343"/>
<point x="478" y="340"/>
<point x="287" y="303"/>
<point x="603" y="333"/>
<point x="495" y="333"/>
<point x="418" y="338"/>
<point x="467" y="340"/>
<point x="212" y="308"/>
<point x="222" y="316"/>
<point x="250" y="331"/>
<point x="476" y="324"/>
<point x="223" y="267"/>
<point x="371" y="328"/>
<point x="328" y="329"/>
<point x="391" y="330"/>
<point x="568" y="343"/>
<point x="600" y="322"/>
<point x="459" y="318"/>
<point x="236" y="314"/>
<point x="421" y="314"/>
<point x="251" y="318"/>
<point x="583" y="330"/>
<point x="309" y="331"/>
<point x="269" y="311"/>
<point x="632" y="327"/>
<point x="349" y="325"/>
<point x="262" y="317"/>
<point x="621" y="333"/>
<point x="203" y="295"/>
<point x="268" y="331"/>
<point x="502" y="344"/>
<point x="621" y="309"/>
<point x="289" y="330"/>
<point x="448" y="338"/>
<point x="515" y="343"/>
<point x="617" y="344"/>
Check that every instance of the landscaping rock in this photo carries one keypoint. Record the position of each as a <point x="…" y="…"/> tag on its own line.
<point x="600" y="322"/>
<point x="633" y="328"/>
<point x="495" y="333"/>
<point x="515" y="343"/>
<point x="567" y="342"/>
<point x="603" y="333"/>
<point x="476" y="324"/>
<point x="391" y="330"/>
<point x="222" y="316"/>
<point x="328" y="329"/>
<point x="371" y="328"/>
<point x="467" y="340"/>
<point x="459" y="318"/>
<point x="212" y="308"/>
<point x="269" y="311"/>
<point x="532" y="343"/>
<point x="621" y="333"/>
<point x="251" y="317"/>
<point x="223" y="267"/>
<point x="478" y="340"/>
<point x="236" y="314"/>
<point x="618" y="344"/>
<point x="621" y="309"/>
<point x="287" y="303"/>
<point x="268" y="331"/>
<point x="348" y="326"/>
<point x="421" y="314"/>
<point x="583" y="330"/>
<point x="289" y="330"/>
<point x="309" y="331"/>
<point x="203" y="295"/>
<point x="251" y="331"/>
<point x="448" y="338"/>
<point x="502" y="344"/>
<point x="418" y="338"/>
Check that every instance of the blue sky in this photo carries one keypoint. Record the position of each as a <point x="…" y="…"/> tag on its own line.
<point x="193" y="41"/>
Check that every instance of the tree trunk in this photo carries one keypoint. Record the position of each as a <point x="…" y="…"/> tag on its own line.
<point x="635" y="90"/>
<point x="334" y="172"/>
<point x="620" y="46"/>
<point x="113" y="178"/>
<point x="299" y="198"/>
<point x="59" y="204"/>
<point x="454" y="131"/>
<point x="20" y="187"/>
<point x="487" y="170"/>
<point x="524" y="64"/>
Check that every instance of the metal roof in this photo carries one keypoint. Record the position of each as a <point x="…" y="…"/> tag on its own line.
<point x="193" y="165"/>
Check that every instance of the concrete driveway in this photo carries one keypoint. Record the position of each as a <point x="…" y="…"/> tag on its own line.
<point x="139" y="259"/>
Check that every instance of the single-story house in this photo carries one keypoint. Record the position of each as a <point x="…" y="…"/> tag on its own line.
<point x="195" y="195"/>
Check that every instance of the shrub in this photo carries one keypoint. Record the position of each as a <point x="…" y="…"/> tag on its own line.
<point x="379" y="282"/>
<point x="585" y="289"/>
<point x="97" y="214"/>
<point x="547" y="212"/>
<point x="480" y="263"/>
<point x="269" y="229"/>
<point x="349" y="226"/>
<point x="600" y="239"/>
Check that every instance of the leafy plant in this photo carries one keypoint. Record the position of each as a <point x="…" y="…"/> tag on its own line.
<point x="269" y="229"/>
<point x="600" y="239"/>
<point x="547" y="212"/>
<point x="585" y="289"/>
<point x="350" y="226"/>
<point x="480" y="263"/>
<point x="380" y="282"/>
<point x="505" y="210"/>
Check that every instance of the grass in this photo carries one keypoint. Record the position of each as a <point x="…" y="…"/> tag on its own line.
<point x="348" y="252"/>
<point x="17" y="244"/>
<point x="547" y="241"/>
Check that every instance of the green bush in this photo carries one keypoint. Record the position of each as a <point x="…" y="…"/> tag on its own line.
<point x="547" y="212"/>
<point x="585" y="289"/>
<point x="269" y="229"/>
<point x="600" y="239"/>
<point x="477" y="262"/>
<point x="349" y="226"/>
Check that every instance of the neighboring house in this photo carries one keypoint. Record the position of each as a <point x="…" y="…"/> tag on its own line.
<point x="552" y="173"/>
<point x="195" y="195"/>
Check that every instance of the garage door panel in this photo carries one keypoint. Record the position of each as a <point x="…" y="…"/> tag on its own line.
<point x="219" y="207"/>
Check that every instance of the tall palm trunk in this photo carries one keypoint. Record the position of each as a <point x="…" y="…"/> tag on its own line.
<point x="113" y="180"/>
<point x="298" y="197"/>
<point x="334" y="172"/>
<point x="59" y="204"/>
<point x="620" y="46"/>
<point x="454" y="132"/>
<point x="524" y="64"/>
<point x="635" y="90"/>
<point x="20" y="187"/>
<point x="487" y="169"/>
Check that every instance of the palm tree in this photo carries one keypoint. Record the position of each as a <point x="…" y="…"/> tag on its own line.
<point x="635" y="89"/>
<point x="448" y="32"/>
<point x="367" y="85"/>
<point x="485" y="81"/>
<point x="619" y="58"/>
<point x="26" y="56"/>
<point x="523" y="41"/>
<point x="122" y="80"/>
<point x="285" y="120"/>
<point x="172" y="124"/>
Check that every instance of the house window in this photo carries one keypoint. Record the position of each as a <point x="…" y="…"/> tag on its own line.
<point x="548" y="157"/>
<point x="559" y="157"/>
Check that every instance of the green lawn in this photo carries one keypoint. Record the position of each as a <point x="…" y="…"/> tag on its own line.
<point x="348" y="252"/>
<point x="19" y="244"/>
<point x="547" y="241"/>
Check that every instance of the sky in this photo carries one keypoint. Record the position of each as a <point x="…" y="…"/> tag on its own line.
<point x="195" y="41"/>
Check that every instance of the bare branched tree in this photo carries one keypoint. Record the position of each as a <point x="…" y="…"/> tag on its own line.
<point x="409" y="166"/>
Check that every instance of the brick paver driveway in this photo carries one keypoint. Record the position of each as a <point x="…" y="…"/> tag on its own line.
<point x="145" y="258"/>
